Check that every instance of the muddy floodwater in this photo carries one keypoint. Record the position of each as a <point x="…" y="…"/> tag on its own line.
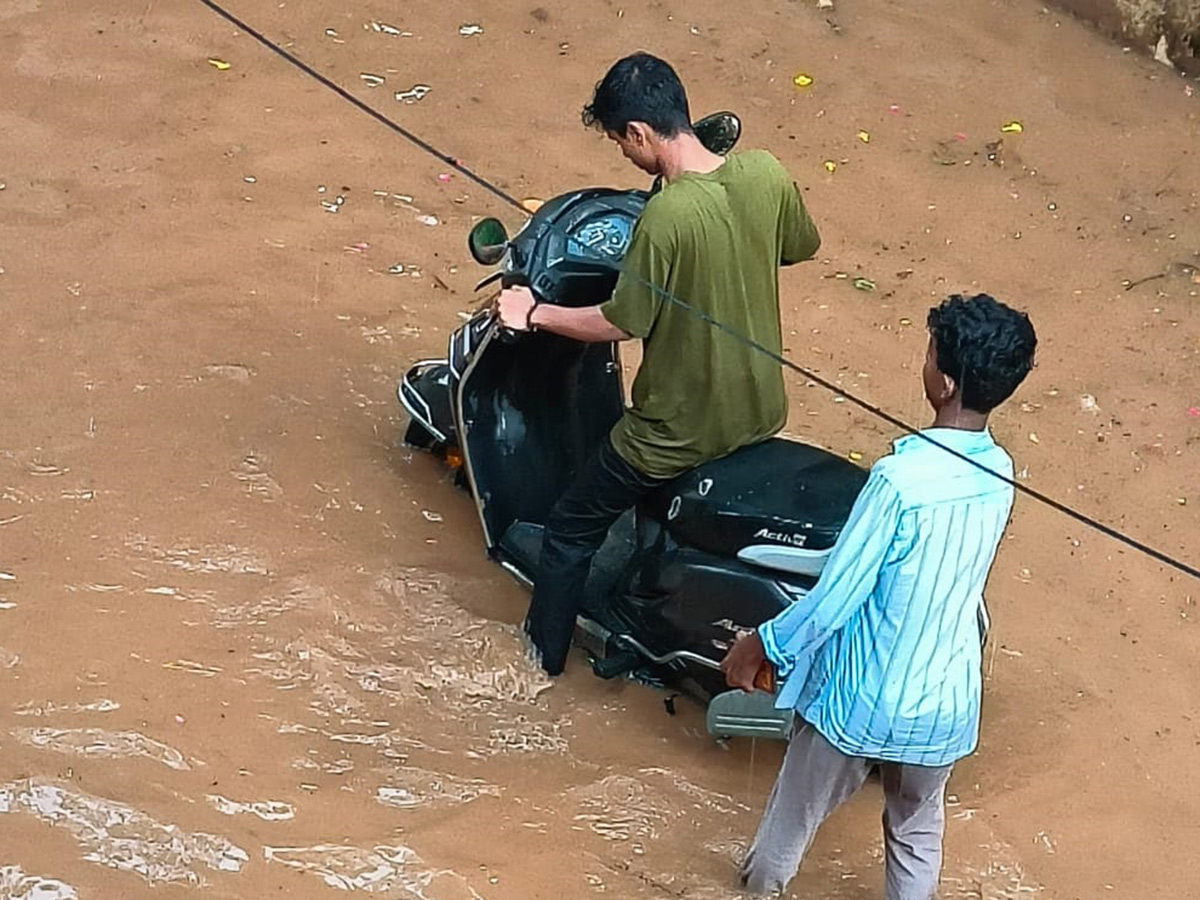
<point x="250" y="645"/>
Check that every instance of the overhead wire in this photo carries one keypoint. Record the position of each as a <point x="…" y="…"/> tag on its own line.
<point x="875" y="410"/>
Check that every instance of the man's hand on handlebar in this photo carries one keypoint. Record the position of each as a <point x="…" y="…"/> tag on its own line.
<point x="514" y="308"/>
<point x="517" y="309"/>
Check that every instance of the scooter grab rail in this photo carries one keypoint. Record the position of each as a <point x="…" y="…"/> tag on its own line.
<point x="764" y="680"/>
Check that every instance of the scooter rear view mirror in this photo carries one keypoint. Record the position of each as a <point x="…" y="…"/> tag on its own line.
<point x="487" y="241"/>
<point x="719" y="132"/>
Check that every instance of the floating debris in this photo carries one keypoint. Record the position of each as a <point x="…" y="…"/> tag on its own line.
<point x="1013" y="127"/>
<point x="392" y="30"/>
<point x="830" y="166"/>
<point x="864" y="136"/>
<point x="428" y="220"/>
<point x="470" y="30"/>
<point x="220" y="65"/>
<point x="431" y="516"/>
<point x="1162" y="53"/>
<point x="414" y="94"/>
<point x="371" y="80"/>
<point x="250" y="179"/>
<point x="802" y="81"/>
<point x="194" y="668"/>
<point x="864" y="284"/>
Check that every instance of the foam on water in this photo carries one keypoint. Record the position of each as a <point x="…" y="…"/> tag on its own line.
<point x="638" y="808"/>
<point x="96" y="742"/>
<point x="409" y="649"/>
<point x="295" y="595"/>
<point x="520" y="734"/>
<point x="48" y="708"/>
<point x="16" y="885"/>
<point x="121" y="837"/>
<point x="267" y="810"/>
<point x="410" y="787"/>
<point x="392" y="870"/>
<point x="1002" y="878"/>
<point x="224" y="559"/>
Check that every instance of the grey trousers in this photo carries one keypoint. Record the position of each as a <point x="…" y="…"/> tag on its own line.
<point x="816" y="779"/>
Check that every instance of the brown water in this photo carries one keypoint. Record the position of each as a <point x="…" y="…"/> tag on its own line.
<point x="249" y="645"/>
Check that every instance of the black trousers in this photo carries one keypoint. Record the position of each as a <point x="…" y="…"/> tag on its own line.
<point x="578" y="523"/>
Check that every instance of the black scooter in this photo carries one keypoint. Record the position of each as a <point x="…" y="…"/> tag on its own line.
<point x="715" y="552"/>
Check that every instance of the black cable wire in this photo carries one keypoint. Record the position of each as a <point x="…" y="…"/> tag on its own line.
<point x="871" y="408"/>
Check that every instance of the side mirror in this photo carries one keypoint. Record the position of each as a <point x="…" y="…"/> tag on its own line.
<point x="488" y="241"/>
<point x="719" y="132"/>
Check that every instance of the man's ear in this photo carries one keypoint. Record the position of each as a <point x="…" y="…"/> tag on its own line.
<point x="638" y="133"/>
<point x="949" y="387"/>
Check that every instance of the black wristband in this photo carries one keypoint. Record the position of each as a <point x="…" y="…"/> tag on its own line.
<point x="529" y="326"/>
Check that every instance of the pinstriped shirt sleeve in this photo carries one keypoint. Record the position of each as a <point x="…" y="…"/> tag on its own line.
<point x="883" y="656"/>
<point x="846" y="583"/>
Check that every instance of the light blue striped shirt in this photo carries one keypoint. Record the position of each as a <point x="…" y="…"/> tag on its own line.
<point x="883" y="656"/>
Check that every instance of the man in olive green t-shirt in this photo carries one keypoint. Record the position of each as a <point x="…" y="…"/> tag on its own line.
<point x="714" y="237"/>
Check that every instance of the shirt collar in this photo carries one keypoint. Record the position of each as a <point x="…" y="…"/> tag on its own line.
<point x="954" y="438"/>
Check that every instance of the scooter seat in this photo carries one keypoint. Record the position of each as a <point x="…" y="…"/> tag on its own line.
<point x="779" y="504"/>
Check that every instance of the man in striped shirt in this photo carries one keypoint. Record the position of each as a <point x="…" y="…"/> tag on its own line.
<point x="881" y="660"/>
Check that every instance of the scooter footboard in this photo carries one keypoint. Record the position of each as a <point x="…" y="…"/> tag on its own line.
<point x="753" y="715"/>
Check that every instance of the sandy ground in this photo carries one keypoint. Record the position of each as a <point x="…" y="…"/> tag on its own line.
<point x="224" y="582"/>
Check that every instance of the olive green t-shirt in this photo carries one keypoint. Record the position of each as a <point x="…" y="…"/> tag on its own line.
<point x="715" y="241"/>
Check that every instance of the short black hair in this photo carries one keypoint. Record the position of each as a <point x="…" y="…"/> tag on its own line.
<point x="985" y="346"/>
<point x="640" y="88"/>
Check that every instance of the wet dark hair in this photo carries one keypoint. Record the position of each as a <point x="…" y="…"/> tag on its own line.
<point x="985" y="346"/>
<point x="640" y="88"/>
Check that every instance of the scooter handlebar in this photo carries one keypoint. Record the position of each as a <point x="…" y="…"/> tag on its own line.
<point x="509" y="280"/>
<point x="504" y="334"/>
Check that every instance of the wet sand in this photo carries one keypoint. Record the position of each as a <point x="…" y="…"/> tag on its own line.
<point x="249" y="644"/>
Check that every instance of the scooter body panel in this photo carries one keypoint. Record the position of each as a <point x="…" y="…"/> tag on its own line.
<point x="682" y="599"/>
<point x="529" y="414"/>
